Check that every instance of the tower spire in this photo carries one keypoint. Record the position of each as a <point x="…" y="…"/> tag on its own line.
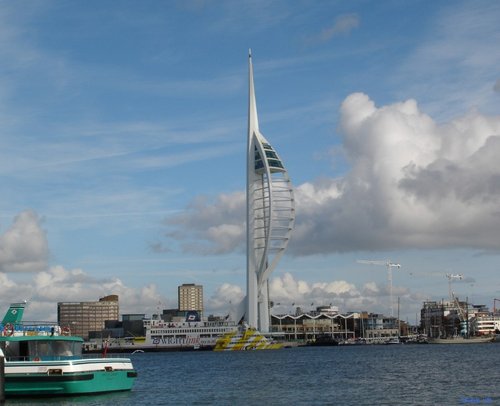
<point x="253" y="121"/>
<point x="270" y="214"/>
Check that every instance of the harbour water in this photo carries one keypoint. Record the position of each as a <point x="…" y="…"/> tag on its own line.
<point x="344" y="375"/>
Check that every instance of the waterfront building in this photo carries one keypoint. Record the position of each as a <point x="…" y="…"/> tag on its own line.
<point x="377" y="326"/>
<point x="327" y="320"/>
<point x="451" y="318"/>
<point x="270" y="215"/>
<point x="84" y="317"/>
<point x="131" y="325"/>
<point x="190" y="297"/>
<point x="307" y="326"/>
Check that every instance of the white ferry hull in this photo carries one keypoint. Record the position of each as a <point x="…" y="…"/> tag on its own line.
<point x="163" y="336"/>
<point x="461" y="340"/>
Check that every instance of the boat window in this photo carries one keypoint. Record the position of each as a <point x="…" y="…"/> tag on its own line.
<point x="39" y="349"/>
<point x="54" y="349"/>
<point x="65" y="348"/>
<point x="13" y="351"/>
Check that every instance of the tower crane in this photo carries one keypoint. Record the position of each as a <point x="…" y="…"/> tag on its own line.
<point x="389" y="264"/>
<point x="453" y="299"/>
<point x="452" y="277"/>
<point x="494" y="305"/>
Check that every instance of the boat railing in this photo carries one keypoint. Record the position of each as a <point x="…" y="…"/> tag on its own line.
<point x="185" y="324"/>
<point x="42" y="358"/>
<point x="100" y="355"/>
<point x="30" y="328"/>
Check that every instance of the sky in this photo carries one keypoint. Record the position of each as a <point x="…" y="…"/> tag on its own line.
<point x="123" y="139"/>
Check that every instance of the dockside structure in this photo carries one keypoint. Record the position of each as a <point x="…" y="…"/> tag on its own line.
<point x="340" y="326"/>
<point x="449" y="318"/>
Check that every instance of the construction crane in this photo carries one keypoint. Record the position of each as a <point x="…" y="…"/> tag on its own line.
<point x="462" y="313"/>
<point x="389" y="264"/>
<point x="452" y="277"/>
<point x="494" y="305"/>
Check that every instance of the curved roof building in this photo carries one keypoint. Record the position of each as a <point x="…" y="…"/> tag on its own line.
<point x="270" y="215"/>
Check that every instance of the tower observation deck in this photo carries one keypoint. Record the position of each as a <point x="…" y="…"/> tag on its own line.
<point x="270" y="215"/>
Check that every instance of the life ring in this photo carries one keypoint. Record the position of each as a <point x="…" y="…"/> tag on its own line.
<point x="36" y="359"/>
<point x="66" y="331"/>
<point x="8" y="330"/>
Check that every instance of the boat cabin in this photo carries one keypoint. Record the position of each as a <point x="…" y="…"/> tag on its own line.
<point x="37" y="348"/>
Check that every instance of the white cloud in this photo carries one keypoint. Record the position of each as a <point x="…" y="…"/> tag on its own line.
<point x="225" y="297"/>
<point x="219" y="224"/>
<point x="287" y="289"/>
<point x="23" y="246"/>
<point x="58" y="284"/>
<point x="412" y="183"/>
<point x="343" y="25"/>
<point x="287" y="293"/>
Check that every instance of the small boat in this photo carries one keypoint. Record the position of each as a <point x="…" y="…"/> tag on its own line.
<point x="323" y="340"/>
<point x="42" y="359"/>
<point x="393" y="340"/>
<point x="245" y="339"/>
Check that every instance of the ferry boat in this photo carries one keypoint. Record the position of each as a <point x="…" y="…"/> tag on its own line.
<point x="41" y="359"/>
<point x="187" y="335"/>
<point x="245" y="339"/>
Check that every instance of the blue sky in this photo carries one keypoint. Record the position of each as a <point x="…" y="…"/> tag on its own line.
<point x="122" y="149"/>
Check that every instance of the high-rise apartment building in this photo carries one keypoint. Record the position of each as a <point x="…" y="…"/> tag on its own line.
<point x="190" y="297"/>
<point x="82" y="317"/>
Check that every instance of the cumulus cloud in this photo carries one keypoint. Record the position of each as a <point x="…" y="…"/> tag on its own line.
<point x="287" y="293"/>
<point x="58" y="284"/>
<point x="210" y="227"/>
<point x="225" y="298"/>
<point x="412" y="183"/>
<point x="23" y="246"/>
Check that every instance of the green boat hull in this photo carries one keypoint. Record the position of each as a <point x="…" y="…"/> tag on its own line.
<point x="69" y="384"/>
<point x="41" y="359"/>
